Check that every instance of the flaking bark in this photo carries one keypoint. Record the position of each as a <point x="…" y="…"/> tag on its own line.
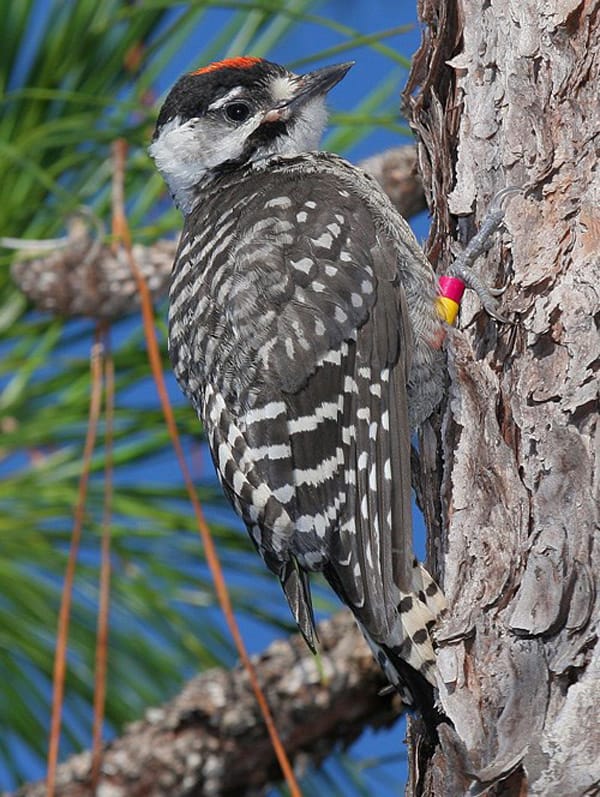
<point x="509" y="96"/>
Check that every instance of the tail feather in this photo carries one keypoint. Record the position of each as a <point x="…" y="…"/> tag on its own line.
<point x="427" y="590"/>
<point x="407" y="656"/>
<point x="415" y="689"/>
<point x="296" y="586"/>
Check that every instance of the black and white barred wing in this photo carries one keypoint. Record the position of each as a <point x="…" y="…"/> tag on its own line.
<point x="315" y="455"/>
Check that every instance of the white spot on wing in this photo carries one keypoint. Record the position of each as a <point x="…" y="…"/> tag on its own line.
<point x="279" y="202"/>
<point x="373" y="479"/>
<point x="364" y="507"/>
<point x="312" y="560"/>
<point x="224" y="456"/>
<point x="304" y="264"/>
<point x="238" y="482"/>
<point x="320" y="525"/>
<point x="333" y="356"/>
<point x="275" y="451"/>
<point x="324" y="241"/>
<point x="348" y="434"/>
<point x="285" y="493"/>
<point x="327" y="410"/>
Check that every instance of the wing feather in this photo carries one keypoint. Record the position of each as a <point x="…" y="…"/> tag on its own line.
<point x="319" y="445"/>
<point x="375" y="548"/>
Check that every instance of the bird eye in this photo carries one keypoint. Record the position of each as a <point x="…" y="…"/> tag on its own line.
<point x="237" y="111"/>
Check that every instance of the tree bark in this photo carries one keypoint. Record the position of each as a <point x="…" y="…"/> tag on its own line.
<point x="508" y="95"/>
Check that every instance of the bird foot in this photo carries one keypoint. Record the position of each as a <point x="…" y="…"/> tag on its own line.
<point x="478" y="245"/>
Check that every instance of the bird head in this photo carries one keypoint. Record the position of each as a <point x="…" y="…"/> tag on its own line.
<point x="232" y="112"/>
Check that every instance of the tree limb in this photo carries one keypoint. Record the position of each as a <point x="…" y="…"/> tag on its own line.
<point x="210" y="740"/>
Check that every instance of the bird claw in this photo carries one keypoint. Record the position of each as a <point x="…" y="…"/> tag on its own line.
<point x="499" y="291"/>
<point x="500" y="199"/>
<point x="478" y="245"/>
<point x="498" y="316"/>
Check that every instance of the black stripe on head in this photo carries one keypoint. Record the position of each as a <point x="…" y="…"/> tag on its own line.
<point x="261" y="137"/>
<point x="194" y="92"/>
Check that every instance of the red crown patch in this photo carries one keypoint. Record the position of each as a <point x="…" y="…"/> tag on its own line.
<point x="240" y="62"/>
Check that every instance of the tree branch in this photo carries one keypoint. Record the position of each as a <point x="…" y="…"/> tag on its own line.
<point x="397" y="173"/>
<point x="210" y="740"/>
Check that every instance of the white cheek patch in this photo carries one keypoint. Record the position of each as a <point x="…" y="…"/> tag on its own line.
<point x="185" y="151"/>
<point x="173" y="144"/>
<point x="221" y="145"/>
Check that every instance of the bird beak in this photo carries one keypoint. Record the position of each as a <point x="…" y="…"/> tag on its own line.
<point x="312" y="84"/>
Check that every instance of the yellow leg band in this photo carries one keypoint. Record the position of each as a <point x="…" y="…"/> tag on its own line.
<point x="447" y="309"/>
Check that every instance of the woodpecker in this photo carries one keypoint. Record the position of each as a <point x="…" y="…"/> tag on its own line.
<point x="303" y="328"/>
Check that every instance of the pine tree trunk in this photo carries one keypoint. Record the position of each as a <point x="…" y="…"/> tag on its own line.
<point x="509" y="94"/>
